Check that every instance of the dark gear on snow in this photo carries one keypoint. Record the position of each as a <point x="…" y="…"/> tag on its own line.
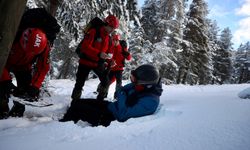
<point x="4" y="108"/>
<point x="6" y="88"/>
<point x="93" y="111"/>
<point x="23" y="90"/>
<point x="17" y="110"/>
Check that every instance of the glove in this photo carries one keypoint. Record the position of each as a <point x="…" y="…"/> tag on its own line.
<point x="33" y="92"/>
<point x="125" y="53"/>
<point x="123" y="43"/>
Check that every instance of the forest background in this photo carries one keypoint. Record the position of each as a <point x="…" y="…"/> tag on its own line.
<point x="175" y="35"/>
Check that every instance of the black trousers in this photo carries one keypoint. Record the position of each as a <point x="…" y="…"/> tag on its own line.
<point x="118" y="77"/>
<point x="23" y="79"/>
<point x="93" y="111"/>
<point x="82" y="75"/>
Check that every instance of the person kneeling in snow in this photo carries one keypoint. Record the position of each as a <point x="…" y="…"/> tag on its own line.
<point x="137" y="99"/>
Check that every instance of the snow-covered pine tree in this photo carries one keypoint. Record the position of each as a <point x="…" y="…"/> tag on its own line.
<point x="222" y="58"/>
<point x="162" y="22"/>
<point x="150" y="20"/>
<point x="172" y="15"/>
<point x="196" y="56"/>
<point x="241" y="72"/>
<point x="214" y="48"/>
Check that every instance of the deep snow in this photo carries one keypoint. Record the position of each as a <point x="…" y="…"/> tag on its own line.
<point x="210" y="117"/>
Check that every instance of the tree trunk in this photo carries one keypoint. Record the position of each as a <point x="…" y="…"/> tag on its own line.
<point x="53" y="7"/>
<point x="10" y="16"/>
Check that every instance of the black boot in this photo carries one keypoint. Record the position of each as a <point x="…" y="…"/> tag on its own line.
<point x="102" y="92"/>
<point x="76" y="94"/>
<point x="6" y="88"/>
<point x="4" y="109"/>
<point x="17" y="110"/>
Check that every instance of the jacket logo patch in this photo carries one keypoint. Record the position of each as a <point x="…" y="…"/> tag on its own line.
<point x="38" y="41"/>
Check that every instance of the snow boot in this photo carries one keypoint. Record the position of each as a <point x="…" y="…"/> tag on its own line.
<point x="4" y="109"/>
<point x="102" y="92"/>
<point x="76" y="94"/>
<point x="17" y="110"/>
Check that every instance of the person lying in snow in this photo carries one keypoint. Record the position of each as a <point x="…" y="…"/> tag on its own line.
<point x="139" y="98"/>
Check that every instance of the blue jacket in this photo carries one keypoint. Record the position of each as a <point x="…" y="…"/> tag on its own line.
<point x="132" y="104"/>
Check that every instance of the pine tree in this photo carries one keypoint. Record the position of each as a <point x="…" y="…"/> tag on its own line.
<point x="214" y="48"/>
<point x="150" y="20"/>
<point x="196" y="57"/>
<point x="241" y="64"/>
<point x="162" y="22"/>
<point x="222" y="58"/>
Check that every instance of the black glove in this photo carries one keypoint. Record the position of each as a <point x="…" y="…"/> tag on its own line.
<point x="125" y="53"/>
<point x="123" y="43"/>
<point x="33" y="92"/>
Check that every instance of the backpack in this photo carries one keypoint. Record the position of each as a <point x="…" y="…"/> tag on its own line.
<point x="39" y="18"/>
<point x="96" y="24"/>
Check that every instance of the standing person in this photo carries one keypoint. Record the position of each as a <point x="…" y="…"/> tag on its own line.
<point x="120" y="54"/>
<point x="137" y="99"/>
<point x="29" y="62"/>
<point x="94" y="54"/>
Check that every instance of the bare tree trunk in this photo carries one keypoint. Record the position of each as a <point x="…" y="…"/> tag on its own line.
<point x="184" y="77"/>
<point x="53" y="6"/>
<point x="10" y="16"/>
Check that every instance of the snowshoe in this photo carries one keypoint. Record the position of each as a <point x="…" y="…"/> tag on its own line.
<point x="41" y="102"/>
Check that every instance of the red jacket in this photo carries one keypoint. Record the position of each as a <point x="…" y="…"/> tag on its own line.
<point x="92" y="47"/>
<point x="119" y="57"/>
<point x="22" y="59"/>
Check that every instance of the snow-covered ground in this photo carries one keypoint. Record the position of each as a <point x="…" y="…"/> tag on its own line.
<point x="210" y="117"/>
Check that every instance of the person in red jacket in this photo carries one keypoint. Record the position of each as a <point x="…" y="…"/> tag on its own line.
<point x="29" y="62"/>
<point x="120" y="54"/>
<point x="95" y="53"/>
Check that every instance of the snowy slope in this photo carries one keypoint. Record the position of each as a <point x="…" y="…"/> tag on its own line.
<point x="209" y="117"/>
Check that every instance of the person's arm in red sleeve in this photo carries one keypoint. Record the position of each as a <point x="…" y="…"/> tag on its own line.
<point x="42" y="68"/>
<point x="87" y="46"/>
<point x="5" y="75"/>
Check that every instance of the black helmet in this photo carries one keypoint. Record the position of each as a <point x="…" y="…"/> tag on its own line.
<point x="146" y="74"/>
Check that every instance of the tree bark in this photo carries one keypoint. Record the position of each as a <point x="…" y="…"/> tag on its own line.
<point x="53" y="6"/>
<point x="10" y="15"/>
